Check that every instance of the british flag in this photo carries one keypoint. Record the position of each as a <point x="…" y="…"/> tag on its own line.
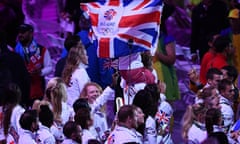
<point x="116" y="22"/>
<point x="162" y="118"/>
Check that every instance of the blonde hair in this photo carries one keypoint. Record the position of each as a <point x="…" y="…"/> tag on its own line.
<point x="189" y="116"/>
<point x="58" y="94"/>
<point x="74" y="58"/>
<point x="84" y="90"/>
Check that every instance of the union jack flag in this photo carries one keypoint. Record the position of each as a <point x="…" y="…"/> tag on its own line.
<point x="117" y="22"/>
<point x="162" y="118"/>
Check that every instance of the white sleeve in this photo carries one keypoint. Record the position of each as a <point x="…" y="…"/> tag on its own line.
<point x="47" y="64"/>
<point x="150" y="131"/>
<point x="82" y="79"/>
<point x="227" y="114"/>
<point x="107" y="94"/>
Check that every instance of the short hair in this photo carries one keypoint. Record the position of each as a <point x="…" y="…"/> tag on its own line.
<point x="27" y="118"/>
<point x="46" y="116"/>
<point x="71" y="41"/>
<point x="81" y="103"/>
<point x="144" y="100"/>
<point x="211" y="72"/>
<point x="125" y="112"/>
<point x="231" y="71"/>
<point x="25" y="27"/>
<point x="82" y="117"/>
<point x="69" y="128"/>
<point x="221" y="43"/>
<point x="223" y="83"/>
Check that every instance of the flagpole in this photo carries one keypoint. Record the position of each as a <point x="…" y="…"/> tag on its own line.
<point x="130" y="45"/>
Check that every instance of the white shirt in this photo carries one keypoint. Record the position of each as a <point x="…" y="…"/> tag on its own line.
<point x="99" y="125"/>
<point x="227" y="111"/>
<point x="67" y="113"/>
<point x="69" y="141"/>
<point x="107" y="94"/>
<point x="27" y="137"/>
<point x="45" y="135"/>
<point x="15" y="117"/>
<point x="78" y="80"/>
<point x="57" y="131"/>
<point x="87" y="135"/>
<point x="196" y="134"/>
<point x="122" y="135"/>
<point x="15" y="127"/>
<point x="150" y="132"/>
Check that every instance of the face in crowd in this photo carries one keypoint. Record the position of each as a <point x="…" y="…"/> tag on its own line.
<point x="216" y="79"/>
<point x="92" y="93"/>
<point x="214" y="99"/>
